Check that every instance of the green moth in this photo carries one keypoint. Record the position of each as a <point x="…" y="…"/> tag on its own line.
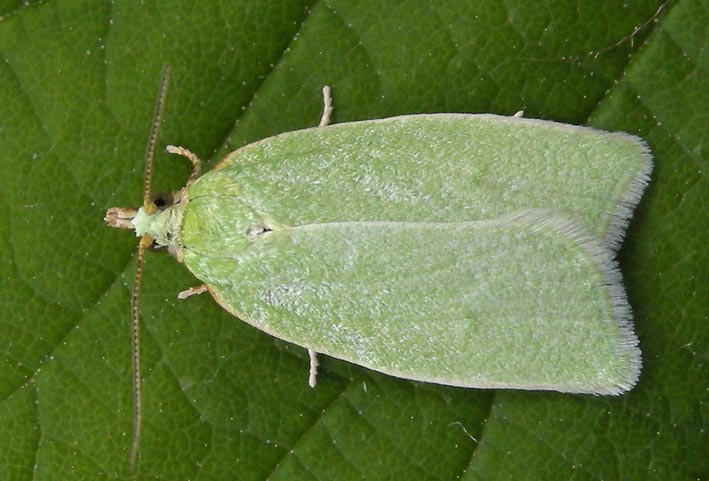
<point x="466" y="250"/>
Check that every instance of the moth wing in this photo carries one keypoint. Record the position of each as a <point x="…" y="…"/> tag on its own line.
<point x="524" y="301"/>
<point x="475" y="167"/>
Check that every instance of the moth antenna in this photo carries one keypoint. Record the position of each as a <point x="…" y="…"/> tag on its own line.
<point x="148" y="206"/>
<point x="144" y="243"/>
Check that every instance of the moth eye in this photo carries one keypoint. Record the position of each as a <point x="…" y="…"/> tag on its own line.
<point x="155" y="247"/>
<point x="162" y="200"/>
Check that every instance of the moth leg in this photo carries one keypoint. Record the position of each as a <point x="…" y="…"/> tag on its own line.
<point x="192" y="291"/>
<point x="312" y="376"/>
<point x="174" y="149"/>
<point x="327" y="106"/>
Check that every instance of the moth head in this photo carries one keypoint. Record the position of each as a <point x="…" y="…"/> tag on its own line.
<point x="122" y="217"/>
<point x="160" y="220"/>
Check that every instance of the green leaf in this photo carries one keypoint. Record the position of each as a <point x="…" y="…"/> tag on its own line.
<point x="78" y="81"/>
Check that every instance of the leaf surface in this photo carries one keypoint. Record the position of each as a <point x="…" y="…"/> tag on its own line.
<point x="78" y="81"/>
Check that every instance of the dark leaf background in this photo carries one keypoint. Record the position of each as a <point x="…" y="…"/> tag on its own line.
<point x="78" y="80"/>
